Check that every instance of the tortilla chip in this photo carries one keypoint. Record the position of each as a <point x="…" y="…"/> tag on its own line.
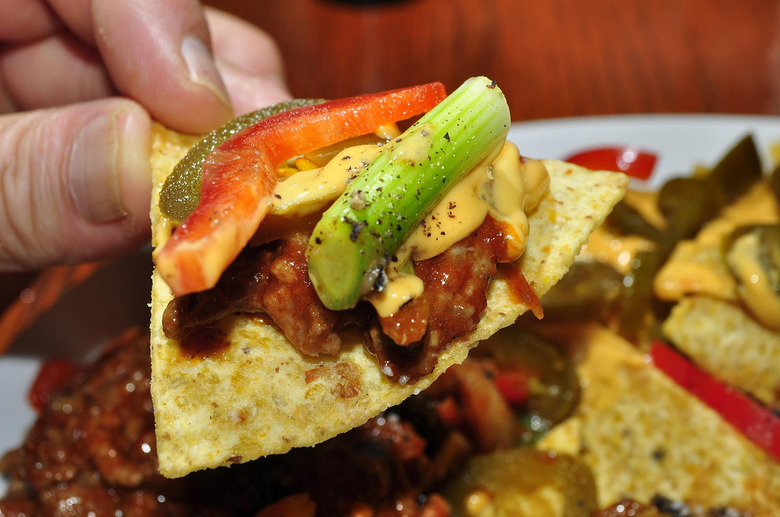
<point x="642" y="435"/>
<point x="260" y="396"/>
<point x="727" y="342"/>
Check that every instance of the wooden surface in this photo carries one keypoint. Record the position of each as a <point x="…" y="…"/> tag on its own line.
<point x="553" y="58"/>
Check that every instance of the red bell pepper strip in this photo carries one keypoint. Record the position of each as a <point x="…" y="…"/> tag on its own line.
<point x="756" y="422"/>
<point x="630" y="160"/>
<point x="240" y="175"/>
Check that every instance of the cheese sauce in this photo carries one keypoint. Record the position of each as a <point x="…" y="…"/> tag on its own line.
<point x="312" y="190"/>
<point x="402" y="288"/>
<point x="505" y="185"/>
<point x="618" y="251"/>
<point x="697" y="266"/>
<point x="754" y="287"/>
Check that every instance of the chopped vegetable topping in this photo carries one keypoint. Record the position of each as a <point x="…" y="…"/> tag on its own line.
<point x="181" y="192"/>
<point x="240" y="175"/>
<point x="354" y="242"/>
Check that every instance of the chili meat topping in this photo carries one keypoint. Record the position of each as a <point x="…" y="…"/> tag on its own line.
<point x="273" y="279"/>
<point x="92" y="451"/>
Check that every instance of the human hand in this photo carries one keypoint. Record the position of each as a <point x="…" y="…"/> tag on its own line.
<point x="80" y="82"/>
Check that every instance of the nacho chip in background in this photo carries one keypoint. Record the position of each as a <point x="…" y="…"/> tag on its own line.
<point x="727" y="342"/>
<point x="642" y="435"/>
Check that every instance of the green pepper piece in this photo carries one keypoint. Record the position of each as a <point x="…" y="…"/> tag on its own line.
<point x="774" y="182"/>
<point x="638" y="292"/>
<point x="752" y="254"/>
<point x="767" y="251"/>
<point x="510" y="481"/>
<point x="555" y="391"/>
<point x="688" y="203"/>
<point x="769" y="254"/>
<point x="590" y="290"/>
<point x="626" y="220"/>
<point x="181" y="192"/>
<point x="738" y="170"/>
<point x="359" y="234"/>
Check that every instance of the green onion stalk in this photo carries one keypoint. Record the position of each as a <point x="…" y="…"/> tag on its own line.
<point x="358" y="236"/>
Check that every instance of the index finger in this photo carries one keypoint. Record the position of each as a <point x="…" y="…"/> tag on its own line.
<point x="157" y="53"/>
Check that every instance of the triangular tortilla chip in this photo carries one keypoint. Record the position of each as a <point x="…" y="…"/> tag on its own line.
<point x="726" y="341"/>
<point x="643" y="435"/>
<point x="260" y="396"/>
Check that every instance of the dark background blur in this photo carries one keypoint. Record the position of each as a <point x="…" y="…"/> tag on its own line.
<point x="553" y="58"/>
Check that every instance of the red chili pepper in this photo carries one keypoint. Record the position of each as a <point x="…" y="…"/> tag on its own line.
<point x="755" y="421"/>
<point x="53" y="375"/>
<point x="630" y="160"/>
<point x="513" y="386"/>
<point x="240" y="175"/>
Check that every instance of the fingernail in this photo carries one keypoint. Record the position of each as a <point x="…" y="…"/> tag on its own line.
<point x="104" y="159"/>
<point x="200" y="64"/>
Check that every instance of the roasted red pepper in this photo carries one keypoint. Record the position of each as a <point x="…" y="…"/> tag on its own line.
<point x="630" y="160"/>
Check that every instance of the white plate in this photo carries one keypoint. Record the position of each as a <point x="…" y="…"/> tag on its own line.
<point x="94" y="312"/>
<point x="680" y="141"/>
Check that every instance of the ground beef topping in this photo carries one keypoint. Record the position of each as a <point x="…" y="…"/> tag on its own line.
<point x="273" y="279"/>
<point x="456" y="284"/>
<point x="92" y="450"/>
<point x="270" y="279"/>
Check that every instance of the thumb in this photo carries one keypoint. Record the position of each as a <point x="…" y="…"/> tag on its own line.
<point x="74" y="183"/>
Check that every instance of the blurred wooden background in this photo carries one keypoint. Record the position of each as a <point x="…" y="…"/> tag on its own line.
<point x="553" y="58"/>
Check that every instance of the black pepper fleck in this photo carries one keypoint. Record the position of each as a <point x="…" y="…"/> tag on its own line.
<point x="357" y="227"/>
